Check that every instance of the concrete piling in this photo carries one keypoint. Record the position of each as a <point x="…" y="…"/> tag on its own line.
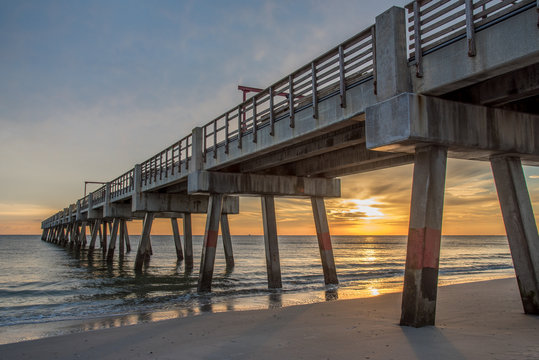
<point x="126" y="235"/>
<point x="104" y="240"/>
<point x="227" y="241"/>
<point x="324" y="240"/>
<point x="113" y="236"/>
<point x="210" y="242"/>
<point x="188" y="241"/>
<point x="121" y="238"/>
<point x="95" y="231"/>
<point x="424" y="237"/>
<point x="271" y="243"/>
<point x="143" y="252"/>
<point x="520" y="227"/>
<point x="177" y="239"/>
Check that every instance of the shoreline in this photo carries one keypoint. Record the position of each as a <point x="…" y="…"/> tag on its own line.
<point x="474" y="320"/>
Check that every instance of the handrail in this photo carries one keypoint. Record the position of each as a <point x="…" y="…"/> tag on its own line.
<point x="335" y="70"/>
<point x="433" y="24"/>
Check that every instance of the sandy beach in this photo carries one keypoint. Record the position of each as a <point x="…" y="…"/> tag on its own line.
<point x="482" y="320"/>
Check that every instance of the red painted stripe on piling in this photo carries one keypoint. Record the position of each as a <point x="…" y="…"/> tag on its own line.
<point x="211" y="238"/>
<point x="325" y="241"/>
<point x="432" y="248"/>
<point x="423" y="248"/>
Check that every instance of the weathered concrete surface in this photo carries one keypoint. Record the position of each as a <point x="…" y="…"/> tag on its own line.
<point x="520" y="226"/>
<point x="271" y="243"/>
<point x="144" y="246"/>
<point x="392" y="76"/>
<point x="469" y="131"/>
<point x="424" y="236"/>
<point x="210" y="243"/>
<point x="508" y="45"/>
<point x="179" y="203"/>
<point x="228" y="183"/>
<point x="324" y="240"/>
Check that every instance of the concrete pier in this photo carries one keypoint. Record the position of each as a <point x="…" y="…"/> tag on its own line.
<point x="324" y="240"/>
<point x="177" y="239"/>
<point x="271" y="243"/>
<point x="210" y="242"/>
<point x="424" y="236"/>
<point x="520" y="226"/>
<point x="144" y="247"/>
<point x="227" y="241"/>
<point x="188" y="240"/>
<point x="113" y="237"/>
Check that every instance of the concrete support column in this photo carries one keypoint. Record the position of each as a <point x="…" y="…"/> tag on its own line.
<point x="392" y="74"/>
<point x="273" y="263"/>
<point x="113" y="236"/>
<point x="83" y="234"/>
<point x="520" y="227"/>
<point x="210" y="242"/>
<point x="122" y="238"/>
<point x="177" y="239"/>
<point x="227" y="241"/>
<point x="424" y="237"/>
<point x="324" y="240"/>
<point x="143" y="252"/>
<point x="188" y="240"/>
<point x="95" y="231"/>
<point x="126" y="236"/>
<point x="104" y="240"/>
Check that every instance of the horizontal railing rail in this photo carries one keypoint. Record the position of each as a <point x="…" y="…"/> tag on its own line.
<point x="436" y="23"/>
<point x="333" y="72"/>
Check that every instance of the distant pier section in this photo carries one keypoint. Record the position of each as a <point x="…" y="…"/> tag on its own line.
<point x="433" y="80"/>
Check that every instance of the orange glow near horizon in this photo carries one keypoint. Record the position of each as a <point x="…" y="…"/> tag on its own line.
<point x="376" y="203"/>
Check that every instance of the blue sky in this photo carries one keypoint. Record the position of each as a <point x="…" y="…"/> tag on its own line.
<point x="89" y="88"/>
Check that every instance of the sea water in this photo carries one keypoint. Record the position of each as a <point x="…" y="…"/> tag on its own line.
<point x="48" y="290"/>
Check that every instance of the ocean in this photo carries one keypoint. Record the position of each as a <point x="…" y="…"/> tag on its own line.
<point x="47" y="290"/>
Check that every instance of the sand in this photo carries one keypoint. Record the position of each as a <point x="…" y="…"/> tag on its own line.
<point x="481" y="320"/>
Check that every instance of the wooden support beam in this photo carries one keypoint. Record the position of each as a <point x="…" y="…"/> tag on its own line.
<point x="177" y="239"/>
<point x="271" y="243"/>
<point x="188" y="240"/>
<point x="210" y="243"/>
<point x="324" y="240"/>
<point x="143" y="252"/>
<point x="520" y="227"/>
<point x="424" y="236"/>
<point x="227" y="241"/>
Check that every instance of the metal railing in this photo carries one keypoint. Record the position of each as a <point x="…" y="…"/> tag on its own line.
<point x="122" y="185"/>
<point x="346" y="65"/>
<point x="169" y="162"/>
<point x="433" y="24"/>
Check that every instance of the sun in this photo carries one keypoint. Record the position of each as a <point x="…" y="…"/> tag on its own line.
<point x="367" y="207"/>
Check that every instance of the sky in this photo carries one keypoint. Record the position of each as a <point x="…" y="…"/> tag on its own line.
<point x="90" y="88"/>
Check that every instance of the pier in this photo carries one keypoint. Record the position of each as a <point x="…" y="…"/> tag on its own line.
<point x="433" y="80"/>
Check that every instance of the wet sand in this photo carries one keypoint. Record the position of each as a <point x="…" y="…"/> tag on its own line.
<point x="481" y="320"/>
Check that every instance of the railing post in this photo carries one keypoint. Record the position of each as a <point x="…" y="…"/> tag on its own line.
<point x="240" y="127"/>
<point x="470" y="30"/>
<point x="215" y="139"/>
<point x="271" y="114"/>
<point x="226" y="133"/>
<point x="291" y="100"/>
<point x="374" y="63"/>
<point x="315" y="94"/>
<point x="197" y="144"/>
<point x="255" y="129"/>
<point x="417" y="40"/>
<point x="342" y="82"/>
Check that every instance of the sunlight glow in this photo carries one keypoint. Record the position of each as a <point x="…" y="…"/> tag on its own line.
<point x="366" y="207"/>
